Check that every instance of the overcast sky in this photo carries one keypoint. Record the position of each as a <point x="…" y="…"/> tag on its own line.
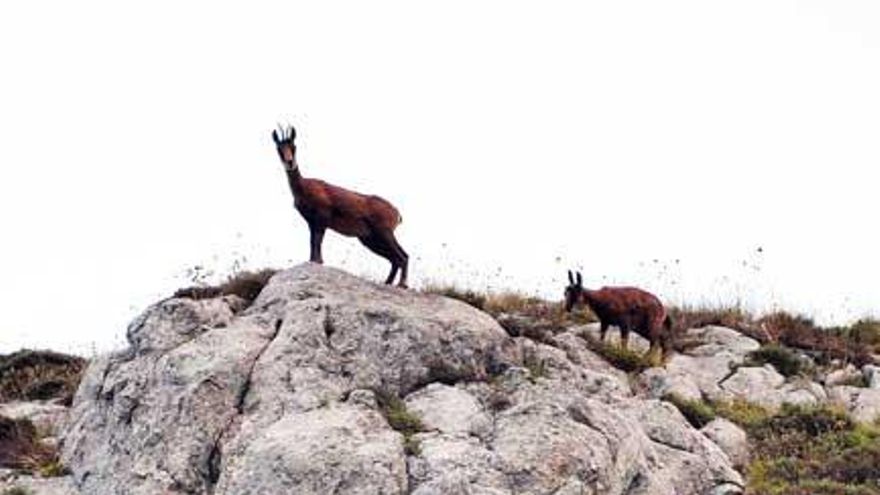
<point x="712" y="152"/>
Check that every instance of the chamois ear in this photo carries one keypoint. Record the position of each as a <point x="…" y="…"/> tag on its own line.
<point x="570" y="278"/>
<point x="292" y="133"/>
<point x="580" y="280"/>
<point x="275" y="137"/>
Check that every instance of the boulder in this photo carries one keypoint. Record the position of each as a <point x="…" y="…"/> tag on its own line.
<point x="842" y="376"/>
<point x="291" y="395"/>
<point x="730" y="438"/>
<point x="863" y="404"/>
<point x="872" y="375"/>
<point x="11" y="480"/>
<point x="710" y="356"/>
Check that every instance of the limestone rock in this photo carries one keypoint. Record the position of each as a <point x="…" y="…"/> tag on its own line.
<point x="287" y="396"/>
<point x="872" y="375"/>
<point x="863" y="404"/>
<point x="730" y="438"/>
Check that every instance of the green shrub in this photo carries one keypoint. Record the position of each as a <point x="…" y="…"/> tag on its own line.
<point x="782" y="358"/>
<point x="697" y="412"/>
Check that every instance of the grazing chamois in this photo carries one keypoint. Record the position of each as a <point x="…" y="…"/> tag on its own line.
<point x="369" y="218"/>
<point x="628" y="308"/>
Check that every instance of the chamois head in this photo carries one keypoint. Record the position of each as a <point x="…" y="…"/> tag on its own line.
<point x="574" y="290"/>
<point x="286" y="147"/>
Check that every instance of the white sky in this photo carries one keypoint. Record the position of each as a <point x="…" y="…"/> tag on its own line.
<point x="517" y="138"/>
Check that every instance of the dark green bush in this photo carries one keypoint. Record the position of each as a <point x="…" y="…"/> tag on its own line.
<point x="782" y="358"/>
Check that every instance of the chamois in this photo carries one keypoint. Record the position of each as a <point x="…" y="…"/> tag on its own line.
<point x="628" y="308"/>
<point x="369" y="218"/>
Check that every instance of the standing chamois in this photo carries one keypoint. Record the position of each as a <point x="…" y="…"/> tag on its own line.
<point x="628" y="308"/>
<point x="369" y="218"/>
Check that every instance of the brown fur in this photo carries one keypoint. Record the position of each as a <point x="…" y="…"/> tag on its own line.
<point x="371" y="219"/>
<point x="628" y="308"/>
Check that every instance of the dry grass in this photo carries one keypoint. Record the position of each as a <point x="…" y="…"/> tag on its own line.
<point x="40" y="375"/>
<point x="850" y="344"/>
<point x="246" y="285"/>
<point x="628" y="360"/>
<point x="519" y="314"/>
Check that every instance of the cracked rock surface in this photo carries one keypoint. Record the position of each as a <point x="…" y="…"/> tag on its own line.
<point x="284" y="397"/>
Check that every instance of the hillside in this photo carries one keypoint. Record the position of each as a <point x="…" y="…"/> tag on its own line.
<point x="325" y="383"/>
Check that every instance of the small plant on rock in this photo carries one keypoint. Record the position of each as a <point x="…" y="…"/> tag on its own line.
<point x="782" y="358"/>
<point x="401" y="420"/>
<point x="697" y="412"/>
<point x="627" y="360"/>
<point x="245" y="284"/>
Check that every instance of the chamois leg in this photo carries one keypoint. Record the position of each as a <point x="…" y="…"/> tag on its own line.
<point x="402" y="258"/>
<point x="381" y="247"/>
<point x="317" y="238"/>
<point x="624" y="337"/>
<point x="603" y="329"/>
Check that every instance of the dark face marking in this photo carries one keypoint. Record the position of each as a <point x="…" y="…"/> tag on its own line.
<point x="572" y="293"/>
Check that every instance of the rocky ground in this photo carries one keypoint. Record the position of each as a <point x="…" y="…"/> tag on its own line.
<point x="327" y="383"/>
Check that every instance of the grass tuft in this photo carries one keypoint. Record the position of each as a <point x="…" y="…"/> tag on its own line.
<point x="246" y="285"/>
<point x="627" y="360"/>
<point x="401" y="420"/>
<point x="697" y="412"/>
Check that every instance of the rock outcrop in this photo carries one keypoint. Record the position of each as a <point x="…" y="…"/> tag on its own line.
<point x="291" y="396"/>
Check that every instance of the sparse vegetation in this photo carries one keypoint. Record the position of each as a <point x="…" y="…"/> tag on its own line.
<point x="16" y="490"/>
<point x="53" y="469"/>
<point x="813" y="450"/>
<point x="700" y="413"/>
<point x="40" y="375"/>
<point x="537" y="367"/>
<point x="798" y="450"/>
<point x="628" y="360"/>
<point x="245" y="284"/>
<point x="849" y="344"/>
<point x="697" y="412"/>
<point x="741" y="412"/>
<point x="466" y="296"/>
<point x="782" y="358"/>
<point x="401" y="420"/>
<point x="519" y="314"/>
